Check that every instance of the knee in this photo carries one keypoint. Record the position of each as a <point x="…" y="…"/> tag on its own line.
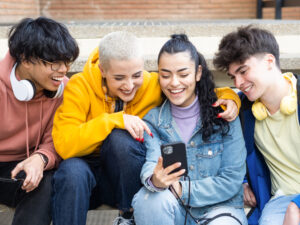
<point x="74" y="173"/>
<point x="120" y="146"/>
<point x="153" y="202"/>
<point x="227" y="216"/>
<point x="118" y="136"/>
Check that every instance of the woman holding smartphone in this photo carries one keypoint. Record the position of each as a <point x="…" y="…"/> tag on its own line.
<point x="212" y="193"/>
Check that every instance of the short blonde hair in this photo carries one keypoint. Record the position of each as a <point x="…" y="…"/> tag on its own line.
<point x="119" y="45"/>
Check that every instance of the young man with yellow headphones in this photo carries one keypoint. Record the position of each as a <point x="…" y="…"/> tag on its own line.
<point x="32" y="80"/>
<point x="270" y="118"/>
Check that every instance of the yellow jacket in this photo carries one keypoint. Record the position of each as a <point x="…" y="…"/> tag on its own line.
<point x="86" y="116"/>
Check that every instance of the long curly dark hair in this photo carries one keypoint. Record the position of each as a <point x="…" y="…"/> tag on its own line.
<point x="205" y="88"/>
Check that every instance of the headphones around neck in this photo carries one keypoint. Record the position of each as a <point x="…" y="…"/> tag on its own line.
<point x="25" y="90"/>
<point x="288" y="103"/>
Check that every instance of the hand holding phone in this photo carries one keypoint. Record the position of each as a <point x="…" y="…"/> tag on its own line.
<point x="167" y="171"/>
<point x="173" y="153"/>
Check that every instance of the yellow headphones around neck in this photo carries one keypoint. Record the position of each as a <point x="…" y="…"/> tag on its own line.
<point x="288" y="104"/>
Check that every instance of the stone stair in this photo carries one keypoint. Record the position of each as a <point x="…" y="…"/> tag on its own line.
<point x="205" y="35"/>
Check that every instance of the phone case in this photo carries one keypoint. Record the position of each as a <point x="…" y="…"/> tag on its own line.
<point x="172" y="153"/>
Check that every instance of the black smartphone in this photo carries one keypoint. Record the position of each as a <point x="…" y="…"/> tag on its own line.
<point x="172" y="153"/>
<point x="11" y="180"/>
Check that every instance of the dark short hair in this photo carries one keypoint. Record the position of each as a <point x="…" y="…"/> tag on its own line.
<point x="41" y="38"/>
<point x="205" y="88"/>
<point x="240" y="45"/>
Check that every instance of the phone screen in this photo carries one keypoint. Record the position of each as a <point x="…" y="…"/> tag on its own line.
<point x="172" y="153"/>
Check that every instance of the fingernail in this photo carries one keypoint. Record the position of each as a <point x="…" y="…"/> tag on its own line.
<point x="142" y="140"/>
<point x="219" y="116"/>
<point x="137" y="139"/>
<point x="214" y="104"/>
<point x="151" y="135"/>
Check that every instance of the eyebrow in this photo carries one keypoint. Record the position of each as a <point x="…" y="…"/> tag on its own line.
<point x="169" y="71"/>
<point x="123" y="75"/>
<point x="118" y="75"/>
<point x="237" y="70"/>
<point x="137" y="73"/>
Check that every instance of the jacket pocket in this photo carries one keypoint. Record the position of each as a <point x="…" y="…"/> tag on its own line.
<point x="208" y="159"/>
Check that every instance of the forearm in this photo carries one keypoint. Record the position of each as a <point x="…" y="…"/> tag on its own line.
<point x="228" y="93"/>
<point x="73" y="139"/>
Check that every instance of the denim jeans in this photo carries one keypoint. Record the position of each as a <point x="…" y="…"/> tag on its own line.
<point x="32" y="208"/>
<point x="274" y="211"/>
<point x="85" y="183"/>
<point x="163" y="208"/>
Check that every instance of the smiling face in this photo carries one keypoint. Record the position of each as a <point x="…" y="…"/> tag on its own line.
<point x="123" y="78"/>
<point x="253" y="76"/>
<point x="42" y="75"/>
<point x="177" y="77"/>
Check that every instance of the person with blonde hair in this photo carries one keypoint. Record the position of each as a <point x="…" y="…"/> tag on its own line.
<point x="99" y="132"/>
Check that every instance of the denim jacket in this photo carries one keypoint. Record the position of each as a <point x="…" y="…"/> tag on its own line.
<point x="216" y="168"/>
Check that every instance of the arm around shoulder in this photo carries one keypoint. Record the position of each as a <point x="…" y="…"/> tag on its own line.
<point x="228" y="93"/>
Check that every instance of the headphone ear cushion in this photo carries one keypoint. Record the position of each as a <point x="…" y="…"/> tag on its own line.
<point x="32" y="85"/>
<point x="55" y="94"/>
<point x="259" y="110"/>
<point x="60" y="90"/>
<point x="24" y="90"/>
<point x="288" y="104"/>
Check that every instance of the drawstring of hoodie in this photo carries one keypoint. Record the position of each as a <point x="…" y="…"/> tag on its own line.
<point x="27" y="129"/>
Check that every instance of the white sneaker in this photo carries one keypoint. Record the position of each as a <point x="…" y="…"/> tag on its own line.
<point x="122" y="221"/>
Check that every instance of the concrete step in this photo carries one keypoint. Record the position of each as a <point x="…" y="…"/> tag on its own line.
<point x="97" y="29"/>
<point x="103" y="215"/>
<point x="206" y="35"/>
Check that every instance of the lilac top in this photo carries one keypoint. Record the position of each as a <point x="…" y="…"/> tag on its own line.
<point x="186" y="118"/>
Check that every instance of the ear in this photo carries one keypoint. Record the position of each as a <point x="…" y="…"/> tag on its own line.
<point x="270" y="60"/>
<point x="102" y="70"/>
<point x="198" y="73"/>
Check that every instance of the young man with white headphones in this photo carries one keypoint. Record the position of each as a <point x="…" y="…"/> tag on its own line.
<point x="270" y="118"/>
<point x="32" y="79"/>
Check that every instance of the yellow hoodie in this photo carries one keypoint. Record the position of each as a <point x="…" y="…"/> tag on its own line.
<point x="86" y="116"/>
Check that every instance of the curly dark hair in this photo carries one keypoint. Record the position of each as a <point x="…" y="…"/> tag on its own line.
<point x="240" y="45"/>
<point x="41" y="38"/>
<point x="205" y="88"/>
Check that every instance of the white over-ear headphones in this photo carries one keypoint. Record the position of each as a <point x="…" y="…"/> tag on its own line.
<point x="24" y="90"/>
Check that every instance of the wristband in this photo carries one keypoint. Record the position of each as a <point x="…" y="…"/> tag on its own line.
<point x="44" y="159"/>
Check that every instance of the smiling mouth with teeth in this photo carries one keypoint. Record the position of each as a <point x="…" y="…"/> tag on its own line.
<point x="176" y="91"/>
<point x="127" y="92"/>
<point x="58" y="78"/>
<point x="247" y="89"/>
